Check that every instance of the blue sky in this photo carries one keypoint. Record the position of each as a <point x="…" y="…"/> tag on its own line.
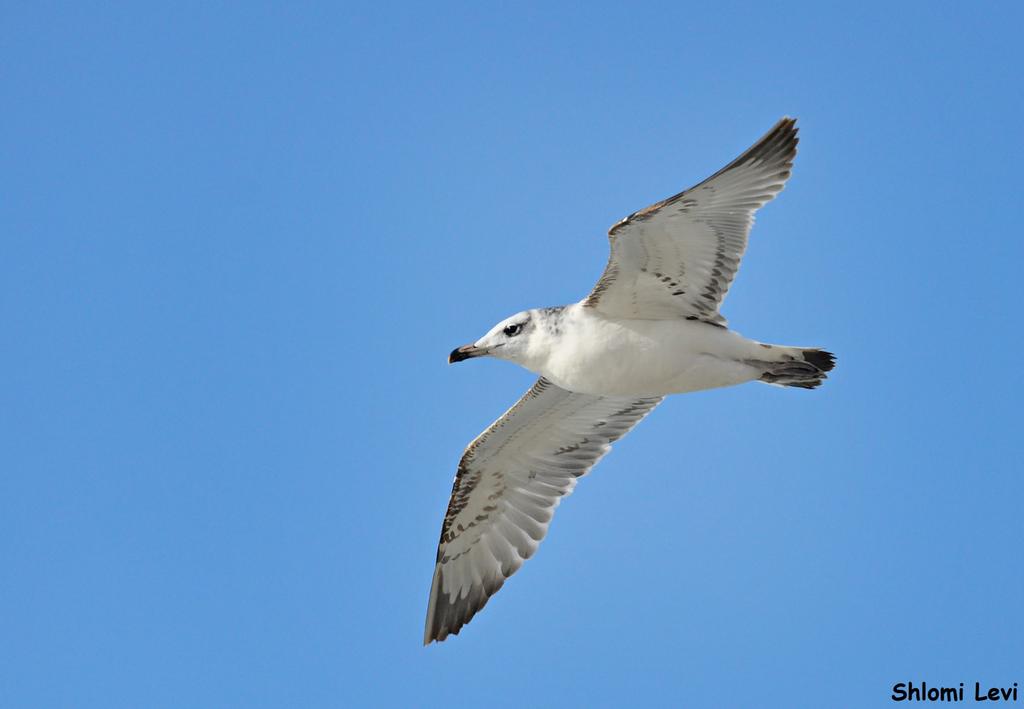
<point x="236" y="246"/>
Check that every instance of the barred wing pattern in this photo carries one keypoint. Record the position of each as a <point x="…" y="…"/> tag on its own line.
<point x="509" y="481"/>
<point x="677" y="258"/>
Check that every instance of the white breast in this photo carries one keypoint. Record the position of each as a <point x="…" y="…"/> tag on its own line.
<point x="620" y="357"/>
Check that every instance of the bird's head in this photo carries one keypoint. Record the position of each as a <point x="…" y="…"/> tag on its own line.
<point x="510" y="339"/>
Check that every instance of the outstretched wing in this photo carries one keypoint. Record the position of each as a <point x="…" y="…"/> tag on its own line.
<point x="677" y="258"/>
<point x="509" y="481"/>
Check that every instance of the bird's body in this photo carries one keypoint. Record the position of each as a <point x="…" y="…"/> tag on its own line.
<point x="582" y="350"/>
<point x="650" y="327"/>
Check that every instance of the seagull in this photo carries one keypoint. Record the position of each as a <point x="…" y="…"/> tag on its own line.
<point x="650" y="327"/>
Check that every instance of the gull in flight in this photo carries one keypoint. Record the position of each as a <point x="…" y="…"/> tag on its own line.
<point x="649" y="328"/>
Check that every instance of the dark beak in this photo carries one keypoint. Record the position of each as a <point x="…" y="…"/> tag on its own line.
<point x="465" y="352"/>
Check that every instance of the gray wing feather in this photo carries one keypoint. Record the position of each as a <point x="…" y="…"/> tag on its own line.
<point x="509" y="481"/>
<point x="677" y="258"/>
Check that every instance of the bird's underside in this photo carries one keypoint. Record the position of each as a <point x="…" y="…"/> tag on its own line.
<point x="651" y="326"/>
<point x="607" y="356"/>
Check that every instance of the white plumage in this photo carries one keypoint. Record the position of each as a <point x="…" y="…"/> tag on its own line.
<point x="649" y="328"/>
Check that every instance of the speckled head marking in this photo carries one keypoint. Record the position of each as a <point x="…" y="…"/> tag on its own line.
<point x="551" y="319"/>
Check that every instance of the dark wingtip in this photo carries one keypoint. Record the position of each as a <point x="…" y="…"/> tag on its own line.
<point x="446" y="616"/>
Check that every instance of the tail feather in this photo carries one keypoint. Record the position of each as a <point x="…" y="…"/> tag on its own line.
<point x="825" y="361"/>
<point x="803" y="368"/>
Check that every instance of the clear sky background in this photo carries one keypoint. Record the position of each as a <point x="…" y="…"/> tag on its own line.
<point x="236" y="246"/>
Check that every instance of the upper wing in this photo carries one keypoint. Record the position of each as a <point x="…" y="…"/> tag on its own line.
<point x="509" y="481"/>
<point x="677" y="258"/>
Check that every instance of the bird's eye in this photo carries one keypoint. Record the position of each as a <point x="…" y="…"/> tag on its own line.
<point x="513" y="330"/>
